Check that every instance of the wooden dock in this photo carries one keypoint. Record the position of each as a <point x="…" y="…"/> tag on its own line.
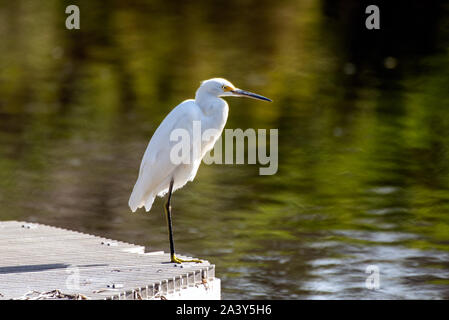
<point x="43" y="262"/>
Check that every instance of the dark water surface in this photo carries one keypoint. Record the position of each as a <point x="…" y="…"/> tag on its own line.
<point x="363" y="125"/>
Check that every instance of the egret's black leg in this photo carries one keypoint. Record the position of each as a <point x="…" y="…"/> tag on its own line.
<point x="169" y="223"/>
<point x="170" y="228"/>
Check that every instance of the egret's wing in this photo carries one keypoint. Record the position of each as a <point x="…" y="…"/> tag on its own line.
<point x="160" y="145"/>
<point x="156" y="167"/>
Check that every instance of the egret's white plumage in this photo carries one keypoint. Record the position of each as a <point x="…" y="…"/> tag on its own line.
<point x="157" y="169"/>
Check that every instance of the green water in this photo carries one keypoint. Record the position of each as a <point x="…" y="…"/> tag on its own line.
<point x="363" y="125"/>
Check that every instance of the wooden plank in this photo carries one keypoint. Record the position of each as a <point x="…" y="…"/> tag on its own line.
<point x="41" y="258"/>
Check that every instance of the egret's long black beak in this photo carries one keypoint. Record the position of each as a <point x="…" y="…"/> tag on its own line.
<point x="243" y="93"/>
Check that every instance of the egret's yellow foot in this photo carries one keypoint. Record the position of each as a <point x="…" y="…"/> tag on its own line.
<point x="175" y="259"/>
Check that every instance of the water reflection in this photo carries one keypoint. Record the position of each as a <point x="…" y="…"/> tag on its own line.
<point x="363" y="154"/>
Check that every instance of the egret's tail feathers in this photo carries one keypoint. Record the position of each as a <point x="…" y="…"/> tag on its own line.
<point x="133" y="202"/>
<point x="149" y="203"/>
<point x="136" y="201"/>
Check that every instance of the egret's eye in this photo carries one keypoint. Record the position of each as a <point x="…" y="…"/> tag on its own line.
<point x="226" y="88"/>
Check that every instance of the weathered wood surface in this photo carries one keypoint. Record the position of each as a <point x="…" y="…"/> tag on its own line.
<point x="37" y="259"/>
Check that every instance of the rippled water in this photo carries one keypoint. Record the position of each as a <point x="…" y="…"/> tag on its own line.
<point x="363" y="123"/>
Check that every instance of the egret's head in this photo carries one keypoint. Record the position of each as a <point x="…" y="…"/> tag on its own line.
<point x="223" y="88"/>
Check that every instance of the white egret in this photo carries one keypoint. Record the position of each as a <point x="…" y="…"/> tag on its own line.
<point x="158" y="173"/>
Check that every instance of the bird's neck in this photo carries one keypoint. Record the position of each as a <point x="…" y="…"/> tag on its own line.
<point x="207" y="102"/>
